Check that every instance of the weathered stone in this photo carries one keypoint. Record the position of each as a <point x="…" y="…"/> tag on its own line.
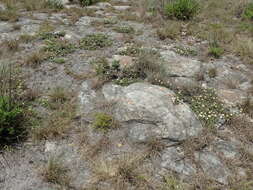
<point x="121" y="8"/>
<point x="181" y="66"/>
<point x="226" y="149"/>
<point x="173" y="160"/>
<point x="212" y="166"/>
<point x="87" y="97"/>
<point x="124" y="61"/>
<point x="232" y="97"/>
<point x="143" y="105"/>
<point x="50" y="146"/>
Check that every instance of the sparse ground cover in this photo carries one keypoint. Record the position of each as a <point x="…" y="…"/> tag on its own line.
<point x="89" y="81"/>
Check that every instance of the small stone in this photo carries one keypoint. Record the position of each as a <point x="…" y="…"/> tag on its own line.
<point x="124" y="61"/>
<point x="50" y="146"/>
<point x="121" y="8"/>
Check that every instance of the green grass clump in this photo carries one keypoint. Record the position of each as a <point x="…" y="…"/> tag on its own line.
<point x="88" y="2"/>
<point x="215" y="50"/>
<point x="11" y="107"/>
<point x="248" y="12"/>
<point x="182" y="9"/>
<point x="104" y="122"/>
<point x="10" y="116"/>
<point x="95" y="41"/>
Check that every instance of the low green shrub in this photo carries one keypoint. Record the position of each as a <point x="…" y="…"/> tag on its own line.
<point x="248" y="12"/>
<point x="59" y="47"/>
<point x="206" y="105"/>
<point x="10" y="116"/>
<point x="95" y="41"/>
<point x="148" y="66"/>
<point x="88" y="2"/>
<point x="11" y="107"/>
<point x="53" y="4"/>
<point x="182" y="9"/>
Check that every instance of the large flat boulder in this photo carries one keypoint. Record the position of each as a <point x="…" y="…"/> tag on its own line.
<point x="149" y="110"/>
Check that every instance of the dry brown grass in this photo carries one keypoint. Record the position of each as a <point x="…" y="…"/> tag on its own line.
<point x="243" y="47"/>
<point x="58" y="97"/>
<point x="55" y="172"/>
<point x="242" y="127"/>
<point x="56" y="125"/>
<point x="247" y="106"/>
<point x="121" y="173"/>
<point x="10" y="15"/>
<point x="36" y="58"/>
<point x="171" y="30"/>
<point x="194" y="144"/>
<point x="154" y="146"/>
<point x="92" y="150"/>
<point x="10" y="45"/>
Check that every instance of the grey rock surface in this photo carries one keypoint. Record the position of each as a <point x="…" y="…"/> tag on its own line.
<point x="150" y="110"/>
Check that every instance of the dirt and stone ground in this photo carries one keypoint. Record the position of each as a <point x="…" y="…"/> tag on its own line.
<point x="156" y="136"/>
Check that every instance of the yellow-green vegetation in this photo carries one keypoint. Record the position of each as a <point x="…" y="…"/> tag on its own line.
<point x="212" y="72"/>
<point x="171" y="183"/>
<point x="55" y="172"/>
<point x="59" y="60"/>
<point x="104" y="122"/>
<point x="95" y="41"/>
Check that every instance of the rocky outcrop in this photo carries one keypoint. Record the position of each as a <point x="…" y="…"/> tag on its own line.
<point x="149" y="110"/>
